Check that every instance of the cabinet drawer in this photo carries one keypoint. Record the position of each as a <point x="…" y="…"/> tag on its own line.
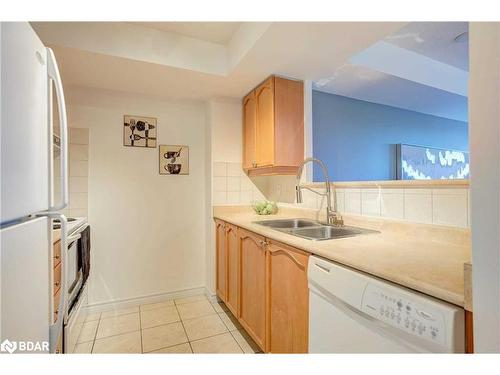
<point x="57" y="253"/>
<point x="57" y="296"/>
<point x="57" y="276"/>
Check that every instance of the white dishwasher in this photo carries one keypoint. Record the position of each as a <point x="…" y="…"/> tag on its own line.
<point x="350" y="312"/>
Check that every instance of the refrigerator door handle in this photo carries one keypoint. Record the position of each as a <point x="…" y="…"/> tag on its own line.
<point x="53" y="74"/>
<point x="56" y="327"/>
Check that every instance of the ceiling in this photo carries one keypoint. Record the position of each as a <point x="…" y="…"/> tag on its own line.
<point x="214" y="32"/>
<point x="133" y="59"/>
<point x="436" y="41"/>
<point x="420" y="67"/>
<point x="376" y="87"/>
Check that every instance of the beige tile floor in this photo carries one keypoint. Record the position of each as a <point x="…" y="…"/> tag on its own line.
<point x="185" y="325"/>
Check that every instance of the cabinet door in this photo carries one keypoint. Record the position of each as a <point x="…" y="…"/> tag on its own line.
<point x="249" y="136"/>
<point x="232" y="268"/>
<point x="288" y="299"/>
<point x="264" y="97"/>
<point x="252" y="311"/>
<point x="220" y="249"/>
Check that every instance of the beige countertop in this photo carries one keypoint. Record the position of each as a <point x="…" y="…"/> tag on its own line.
<point x="426" y="258"/>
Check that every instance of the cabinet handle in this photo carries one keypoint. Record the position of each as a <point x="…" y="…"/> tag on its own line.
<point x="290" y="255"/>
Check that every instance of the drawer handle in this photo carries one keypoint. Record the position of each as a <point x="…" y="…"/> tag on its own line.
<point x="324" y="268"/>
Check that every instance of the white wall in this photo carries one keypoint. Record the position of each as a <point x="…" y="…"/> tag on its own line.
<point x="148" y="230"/>
<point x="484" y="130"/>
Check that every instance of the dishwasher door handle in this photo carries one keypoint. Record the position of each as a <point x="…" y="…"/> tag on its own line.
<point x="322" y="267"/>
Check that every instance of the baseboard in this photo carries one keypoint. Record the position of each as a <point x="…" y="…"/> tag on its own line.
<point x="152" y="298"/>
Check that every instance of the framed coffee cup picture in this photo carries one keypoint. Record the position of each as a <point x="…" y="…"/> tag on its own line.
<point x="174" y="159"/>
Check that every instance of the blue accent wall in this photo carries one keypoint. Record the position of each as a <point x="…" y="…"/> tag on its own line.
<point x="356" y="139"/>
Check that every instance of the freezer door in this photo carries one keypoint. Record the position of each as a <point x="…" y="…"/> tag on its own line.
<point x="24" y="127"/>
<point x="25" y="289"/>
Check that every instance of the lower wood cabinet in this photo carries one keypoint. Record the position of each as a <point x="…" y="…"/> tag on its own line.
<point x="252" y="308"/>
<point x="220" y="249"/>
<point x="264" y="285"/>
<point x="232" y="268"/>
<point x="288" y="299"/>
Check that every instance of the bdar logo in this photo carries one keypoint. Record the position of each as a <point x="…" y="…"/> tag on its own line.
<point x="8" y="346"/>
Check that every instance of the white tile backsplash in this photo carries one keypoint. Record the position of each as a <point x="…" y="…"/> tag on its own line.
<point x="78" y="168"/>
<point x="441" y="206"/>
<point x="392" y="203"/>
<point x="340" y="193"/>
<point x="353" y="201"/>
<point x="78" y="184"/>
<point x="418" y="205"/>
<point x="246" y="184"/>
<point x="233" y="197"/>
<point x="220" y="184"/>
<point x="370" y="202"/>
<point x="233" y="183"/>
<point x="232" y="186"/>
<point x="78" y="154"/>
<point x="78" y="200"/>
<point x="219" y="198"/>
<point x="450" y="207"/>
<point x="234" y="169"/>
<point x="79" y="136"/>
<point x="246" y="196"/>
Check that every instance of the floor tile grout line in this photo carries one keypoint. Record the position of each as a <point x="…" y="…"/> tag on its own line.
<point x="166" y="347"/>
<point x="116" y="316"/>
<point x="95" y="334"/>
<point x="184" y="328"/>
<point x="209" y="337"/>
<point x="118" y="334"/>
<point x="234" y="338"/>
<point x="160" y="325"/>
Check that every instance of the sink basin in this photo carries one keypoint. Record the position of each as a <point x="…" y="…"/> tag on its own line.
<point x="288" y="223"/>
<point x="327" y="232"/>
<point x="313" y="230"/>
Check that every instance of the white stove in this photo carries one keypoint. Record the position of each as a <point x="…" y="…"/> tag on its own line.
<point x="74" y="223"/>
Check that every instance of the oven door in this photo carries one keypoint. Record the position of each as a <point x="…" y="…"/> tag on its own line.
<point x="74" y="270"/>
<point x="75" y="321"/>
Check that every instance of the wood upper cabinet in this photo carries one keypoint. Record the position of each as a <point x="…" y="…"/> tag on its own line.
<point x="288" y="299"/>
<point x="273" y="123"/>
<point x="232" y="268"/>
<point x="220" y="250"/>
<point x="264" y="98"/>
<point x="252" y="309"/>
<point x="249" y="128"/>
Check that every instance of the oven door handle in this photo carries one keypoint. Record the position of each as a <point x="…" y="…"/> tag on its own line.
<point x="78" y="235"/>
<point x="74" y="237"/>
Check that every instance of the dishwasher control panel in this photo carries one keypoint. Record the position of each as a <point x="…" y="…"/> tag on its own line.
<point x="406" y="313"/>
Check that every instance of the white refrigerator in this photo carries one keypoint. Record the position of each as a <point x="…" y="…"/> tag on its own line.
<point x="29" y="82"/>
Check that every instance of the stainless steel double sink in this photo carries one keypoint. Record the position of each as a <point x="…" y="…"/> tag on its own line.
<point x="313" y="230"/>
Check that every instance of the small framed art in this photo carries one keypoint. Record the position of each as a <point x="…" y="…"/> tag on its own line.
<point x="174" y="159"/>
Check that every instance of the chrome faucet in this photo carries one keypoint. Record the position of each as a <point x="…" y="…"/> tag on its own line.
<point x="332" y="216"/>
